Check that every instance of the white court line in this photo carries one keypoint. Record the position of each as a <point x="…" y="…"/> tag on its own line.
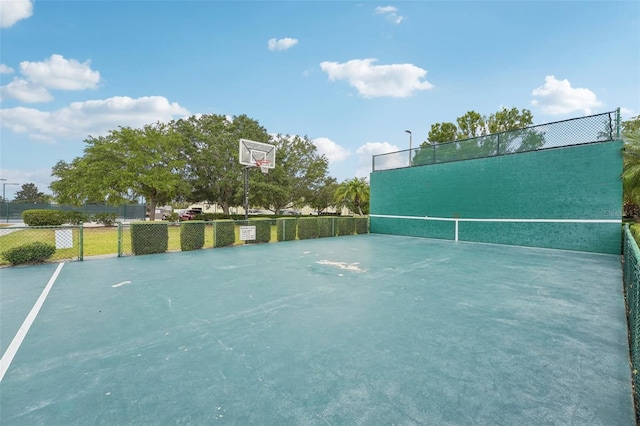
<point x="11" y="351"/>
<point x="462" y="219"/>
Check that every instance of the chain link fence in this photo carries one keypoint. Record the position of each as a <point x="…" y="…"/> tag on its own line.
<point x="631" y="279"/>
<point x="12" y="212"/>
<point x="80" y="242"/>
<point x="577" y="131"/>
<point x="66" y="241"/>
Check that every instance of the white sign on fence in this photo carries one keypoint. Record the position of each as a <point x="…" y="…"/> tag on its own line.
<point x="64" y="238"/>
<point x="247" y="233"/>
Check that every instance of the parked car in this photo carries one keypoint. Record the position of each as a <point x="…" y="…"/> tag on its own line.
<point x="190" y="214"/>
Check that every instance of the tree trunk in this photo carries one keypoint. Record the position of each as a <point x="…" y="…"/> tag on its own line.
<point x="152" y="209"/>
<point x="357" y="203"/>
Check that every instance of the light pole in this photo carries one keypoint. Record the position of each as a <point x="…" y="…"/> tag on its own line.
<point x="410" y="144"/>
<point x="4" y="200"/>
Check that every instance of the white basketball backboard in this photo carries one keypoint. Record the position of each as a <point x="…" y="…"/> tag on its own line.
<point x="257" y="154"/>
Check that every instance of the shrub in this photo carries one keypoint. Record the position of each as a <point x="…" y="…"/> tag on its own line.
<point x="35" y="252"/>
<point x="224" y="234"/>
<point x="286" y="228"/>
<point x="191" y="235"/>
<point x="345" y="226"/>
<point x="307" y="228"/>
<point x="263" y="230"/>
<point x="149" y="238"/>
<point x="362" y="225"/>
<point x="43" y="217"/>
<point x="635" y="232"/>
<point x="107" y="219"/>
<point x="75" y="217"/>
<point x="173" y="217"/>
<point x="326" y="227"/>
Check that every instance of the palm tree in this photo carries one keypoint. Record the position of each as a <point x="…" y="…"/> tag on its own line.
<point x="354" y="191"/>
<point x="631" y="170"/>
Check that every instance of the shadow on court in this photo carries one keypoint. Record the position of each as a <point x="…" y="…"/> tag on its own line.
<point x="353" y="330"/>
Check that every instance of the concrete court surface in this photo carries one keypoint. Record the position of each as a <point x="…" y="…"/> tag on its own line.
<point x="361" y="330"/>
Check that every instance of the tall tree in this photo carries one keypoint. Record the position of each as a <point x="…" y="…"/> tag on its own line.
<point x="353" y="193"/>
<point x="443" y="132"/>
<point x="30" y="194"/>
<point x="299" y="173"/>
<point x="148" y="161"/>
<point x="211" y="142"/>
<point x="324" y="196"/>
<point x="631" y="126"/>
<point x="477" y="136"/>
<point x="631" y="164"/>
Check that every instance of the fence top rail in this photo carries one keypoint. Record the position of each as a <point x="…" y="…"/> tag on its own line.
<point x="631" y="242"/>
<point x="603" y="127"/>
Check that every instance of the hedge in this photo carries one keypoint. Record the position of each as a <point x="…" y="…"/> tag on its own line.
<point x="326" y="227"/>
<point x="35" y="252"/>
<point x="74" y="217"/>
<point x="43" y="217"/>
<point x="286" y="228"/>
<point x="263" y="230"/>
<point x="107" y="219"/>
<point x="149" y="238"/>
<point x="345" y="226"/>
<point x="224" y="233"/>
<point x="362" y="225"/>
<point x="307" y="228"/>
<point x="191" y="235"/>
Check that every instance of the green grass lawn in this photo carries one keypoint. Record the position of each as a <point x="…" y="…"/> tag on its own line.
<point x="99" y="241"/>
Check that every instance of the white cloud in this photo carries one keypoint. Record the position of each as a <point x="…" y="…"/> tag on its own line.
<point x="4" y="69"/>
<point x="93" y="117"/>
<point x="12" y="11"/>
<point x="390" y="13"/>
<point x="557" y="97"/>
<point x="331" y="150"/>
<point x="25" y="91"/>
<point x="371" y="81"/>
<point x="627" y="113"/>
<point x="368" y="150"/>
<point x="60" y="73"/>
<point x="55" y="72"/>
<point x="282" y="44"/>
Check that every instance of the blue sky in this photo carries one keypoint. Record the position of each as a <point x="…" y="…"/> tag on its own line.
<point x="351" y="75"/>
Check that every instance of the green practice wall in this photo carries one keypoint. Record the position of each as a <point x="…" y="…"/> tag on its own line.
<point x="577" y="182"/>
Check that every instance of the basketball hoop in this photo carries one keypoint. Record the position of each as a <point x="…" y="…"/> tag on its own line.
<point x="264" y="165"/>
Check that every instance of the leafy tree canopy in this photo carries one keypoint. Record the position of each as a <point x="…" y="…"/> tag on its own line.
<point x="476" y="136"/>
<point x="126" y="162"/>
<point x="631" y="126"/>
<point x="353" y="193"/>
<point x="324" y="197"/>
<point x="472" y="124"/>
<point x="299" y="174"/>
<point x="631" y="163"/>
<point x="30" y="194"/>
<point x="211" y="145"/>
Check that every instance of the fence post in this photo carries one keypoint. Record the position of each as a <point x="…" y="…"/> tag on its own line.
<point x="618" y="123"/>
<point x="119" y="239"/>
<point x="81" y="242"/>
